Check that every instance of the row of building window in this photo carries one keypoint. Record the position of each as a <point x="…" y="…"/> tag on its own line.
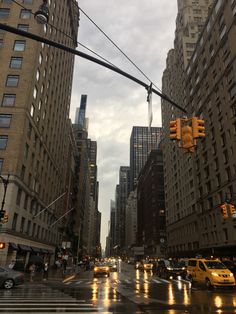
<point x="24" y="14"/>
<point x="23" y="1"/>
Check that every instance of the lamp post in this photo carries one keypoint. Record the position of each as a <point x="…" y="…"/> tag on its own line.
<point x="5" y="184"/>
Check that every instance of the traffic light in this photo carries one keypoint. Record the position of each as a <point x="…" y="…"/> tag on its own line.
<point x="187" y="139"/>
<point x="2" y="213"/>
<point x="232" y="210"/>
<point x="5" y="218"/>
<point x="2" y="245"/>
<point x="175" y="129"/>
<point x="224" y="211"/>
<point x="198" y="127"/>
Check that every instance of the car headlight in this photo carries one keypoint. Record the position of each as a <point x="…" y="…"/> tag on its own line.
<point x="231" y="274"/>
<point x="214" y="274"/>
<point x="107" y="268"/>
<point x="183" y="268"/>
<point x="169" y="268"/>
<point x="95" y="269"/>
<point x="114" y="266"/>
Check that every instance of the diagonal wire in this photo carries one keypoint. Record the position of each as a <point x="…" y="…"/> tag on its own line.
<point x="124" y="54"/>
<point x="62" y="32"/>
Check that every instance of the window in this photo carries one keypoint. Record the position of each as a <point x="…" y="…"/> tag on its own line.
<point x="1" y="164"/>
<point x="32" y="111"/>
<point x="3" y="141"/>
<point x="22" y="225"/>
<point x="12" y="80"/>
<point x="8" y="100"/>
<point x="5" y="120"/>
<point x="23" y="27"/>
<point x="26" y="152"/>
<point x="14" y="221"/>
<point x="18" y="197"/>
<point x="7" y="1"/>
<point x="16" y="62"/>
<point x="35" y="93"/>
<point x="19" y="45"/>
<point x="25" y="14"/>
<point x="4" y="13"/>
<point x="22" y="174"/>
<point x="28" y="227"/>
<point x="28" y="1"/>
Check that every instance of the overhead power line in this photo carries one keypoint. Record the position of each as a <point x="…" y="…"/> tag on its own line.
<point x="88" y="57"/>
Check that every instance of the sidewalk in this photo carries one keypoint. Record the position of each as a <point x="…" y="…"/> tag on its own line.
<point x="55" y="275"/>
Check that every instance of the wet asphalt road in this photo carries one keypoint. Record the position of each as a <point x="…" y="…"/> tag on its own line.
<point x="126" y="291"/>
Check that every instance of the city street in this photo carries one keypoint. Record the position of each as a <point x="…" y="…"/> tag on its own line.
<point x="125" y="291"/>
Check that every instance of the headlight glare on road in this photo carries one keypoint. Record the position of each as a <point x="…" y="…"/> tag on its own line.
<point x="214" y="274"/>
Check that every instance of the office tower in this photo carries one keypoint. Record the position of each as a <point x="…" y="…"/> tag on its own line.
<point x="81" y="112"/>
<point x="151" y="225"/>
<point x="35" y="91"/>
<point x="180" y="189"/>
<point x="142" y="141"/>
<point x="122" y="195"/>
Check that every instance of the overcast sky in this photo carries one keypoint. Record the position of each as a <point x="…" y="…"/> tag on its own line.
<point x="144" y="30"/>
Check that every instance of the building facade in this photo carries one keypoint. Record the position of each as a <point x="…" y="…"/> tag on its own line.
<point x="35" y="91"/>
<point x="131" y="221"/>
<point x="142" y="141"/>
<point x="151" y="224"/>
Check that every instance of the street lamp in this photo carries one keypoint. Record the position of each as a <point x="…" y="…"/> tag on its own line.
<point x="5" y="184"/>
<point x="42" y="15"/>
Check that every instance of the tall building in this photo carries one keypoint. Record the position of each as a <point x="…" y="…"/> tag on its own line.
<point x="180" y="189"/>
<point x="131" y="221"/>
<point x="122" y="195"/>
<point x="151" y="224"/>
<point x="142" y="141"/>
<point x="35" y="91"/>
<point x="211" y="95"/>
<point x="81" y="112"/>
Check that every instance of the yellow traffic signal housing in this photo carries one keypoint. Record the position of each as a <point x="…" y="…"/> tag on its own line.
<point x="2" y="245"/>
<point x="198" y="127"/>
<point x="175" y="129"/>
<point x="5" y="218"/>
<point x="188" y="142"/>
<point x="232" y="210"/>
<point x="224" y="211"/>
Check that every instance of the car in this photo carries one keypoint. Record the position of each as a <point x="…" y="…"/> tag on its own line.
<point x="112" y="266"/>
<point x="146" y="265"/>
<point x="171" y="269"/>
<point x="10" y="278"/>
<point x="211" y="272"/>
<point x="101" y="269"/>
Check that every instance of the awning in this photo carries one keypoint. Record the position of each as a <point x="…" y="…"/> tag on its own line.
<point x="35" y="249"/>
<point x="13" y="246"/>
<point x="44" y="251"/>
<point x="24" y="248"/>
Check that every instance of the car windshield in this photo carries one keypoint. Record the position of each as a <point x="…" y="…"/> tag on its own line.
<point x="215" y="265"/>
<point x="101" y="264"/>
<point x="147" y="262"/>
<point x="176" y="264"/>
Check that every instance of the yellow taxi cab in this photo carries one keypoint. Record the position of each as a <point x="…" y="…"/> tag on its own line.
<point x="101" y="269"/>
<point x="211" y="272"/>
<point x="147" y="265"/>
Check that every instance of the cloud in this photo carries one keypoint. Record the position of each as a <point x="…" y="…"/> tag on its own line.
<point x="144" y="30"/>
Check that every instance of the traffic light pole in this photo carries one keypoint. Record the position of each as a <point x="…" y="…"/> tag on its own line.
<point x="90" y="58"/>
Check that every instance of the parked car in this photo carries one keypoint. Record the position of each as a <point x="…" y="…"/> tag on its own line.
<point x="101" y="269"/>
<point x="171" y="269"/>
<point x="10" y="278"/>
<point x="210" y="272"/>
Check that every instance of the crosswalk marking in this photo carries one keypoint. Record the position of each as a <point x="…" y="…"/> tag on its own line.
<point x="43" y="300"/>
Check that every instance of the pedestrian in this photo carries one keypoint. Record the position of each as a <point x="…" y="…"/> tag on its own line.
<point x="12" y="264"/>
<point x="45" y="271"/>
<point x="32" y="271"/>
<point x="64" y="264"/>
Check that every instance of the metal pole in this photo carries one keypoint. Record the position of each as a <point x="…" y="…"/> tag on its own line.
<point x="5" y="184"/>
<point x="61" y="217"/>
<point x="49" y="205"/>
<point x="88" y="57"/>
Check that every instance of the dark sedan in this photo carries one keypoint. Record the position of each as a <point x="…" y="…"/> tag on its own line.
<point x="10" y="278"/>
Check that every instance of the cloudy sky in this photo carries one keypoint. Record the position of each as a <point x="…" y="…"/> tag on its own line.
<point x="144" y="30"/>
